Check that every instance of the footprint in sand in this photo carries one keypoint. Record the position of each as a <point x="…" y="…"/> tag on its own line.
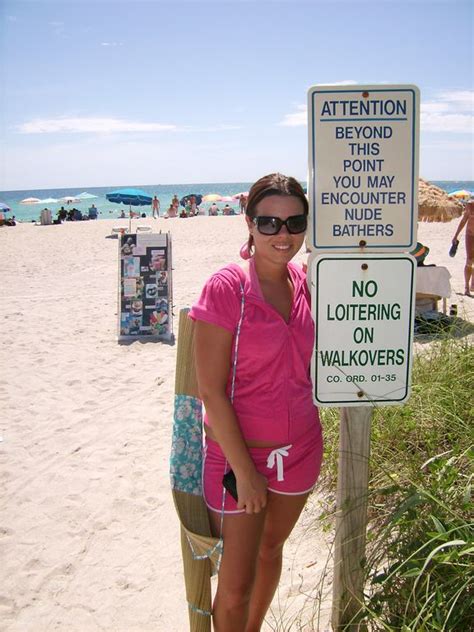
<point x="7" y="606"/>
<point x="33" y="565"/>
<point x="5" y="532"/>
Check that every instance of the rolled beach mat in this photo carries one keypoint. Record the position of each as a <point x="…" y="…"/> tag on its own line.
<point x="200" y="551"/>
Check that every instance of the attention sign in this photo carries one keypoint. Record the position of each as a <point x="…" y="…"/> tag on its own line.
<point x="363" y="161"/>
<point x="364" y="309"/>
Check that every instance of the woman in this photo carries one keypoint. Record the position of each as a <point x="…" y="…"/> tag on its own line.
<point x="268" y="432"/>
<point x="467" y="220"/>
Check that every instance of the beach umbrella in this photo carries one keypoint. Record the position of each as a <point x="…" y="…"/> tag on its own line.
<point x="461" y="194"/>
<point x="85" y="196"/>
<point x="132" y="197"/>
<point x="185" y="199"/>
<point x="227" y="198"/>
<point x="237" y="195"/>
<point x="68" y="199"/>
<point x="435" y="205"/>
<point x="31" y="200"/>
<point x="212" y="197"/>
<point x="4" y="207"/>
<point x="49" y="201"/>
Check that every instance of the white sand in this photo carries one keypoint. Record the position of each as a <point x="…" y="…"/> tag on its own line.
<point x="88" y="531"/>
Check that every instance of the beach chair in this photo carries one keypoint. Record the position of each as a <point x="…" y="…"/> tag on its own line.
<point x="200" y="551"/>
<point x="119" y="230"/>
<point x="45" y="217"/>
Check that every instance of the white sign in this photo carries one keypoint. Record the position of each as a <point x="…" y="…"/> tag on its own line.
<point x="363" y="167"/>
<point x="364" y="309"/>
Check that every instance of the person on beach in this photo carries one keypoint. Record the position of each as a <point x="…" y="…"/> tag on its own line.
<point x="62" y="214"/>
<point x="261" y="423"/>
<point x="467" y="220"/>
<point x="213" y="210"/>
<point x="242" y="203"/>
<point x="155" y="208"/>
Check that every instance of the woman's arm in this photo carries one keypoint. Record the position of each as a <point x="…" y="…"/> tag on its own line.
<point x="462" y="223"/>
<point x="213" y="349"/>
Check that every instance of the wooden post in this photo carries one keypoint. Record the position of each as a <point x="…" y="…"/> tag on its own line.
<point x="351" y="517"/>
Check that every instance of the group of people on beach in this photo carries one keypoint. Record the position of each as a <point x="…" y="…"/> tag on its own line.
<point x="191" y="208"/>
<point x="75" y="215"/>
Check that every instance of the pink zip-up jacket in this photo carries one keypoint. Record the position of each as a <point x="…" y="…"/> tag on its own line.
<point x="273" y="391"/>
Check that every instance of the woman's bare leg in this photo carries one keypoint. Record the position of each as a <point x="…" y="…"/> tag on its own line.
<point x="282" y="513"/>
<point x="468" y="278"/>
<point x="242" y="535"/>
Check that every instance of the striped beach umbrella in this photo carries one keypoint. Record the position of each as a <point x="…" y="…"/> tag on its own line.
<point x="461" y="194"/>
<point x="212" y="197"/>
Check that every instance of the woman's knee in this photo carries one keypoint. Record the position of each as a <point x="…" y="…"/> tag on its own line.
<point x="270" y="549"/>
<point x="235" y="597"/>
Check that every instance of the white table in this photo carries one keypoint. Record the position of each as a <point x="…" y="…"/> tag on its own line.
<point x="432" y="285"/>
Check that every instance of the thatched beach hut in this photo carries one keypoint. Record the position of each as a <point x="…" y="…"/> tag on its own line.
<point x="435" y="205"/>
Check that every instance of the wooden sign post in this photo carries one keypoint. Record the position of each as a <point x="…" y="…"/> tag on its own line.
<point x="351" y="516"/>
<point x="362" y="186"/>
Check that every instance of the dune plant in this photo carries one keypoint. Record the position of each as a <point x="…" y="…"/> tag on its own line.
<point x="420" y="545"/>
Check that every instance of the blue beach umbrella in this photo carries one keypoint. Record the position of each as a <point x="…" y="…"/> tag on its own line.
<point x="183" y="201"/>
<point x="4" y="207"/>
<point x="132" y="197"/>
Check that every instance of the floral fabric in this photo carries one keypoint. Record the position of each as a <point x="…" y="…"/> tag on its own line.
<point x="186" y="445"/>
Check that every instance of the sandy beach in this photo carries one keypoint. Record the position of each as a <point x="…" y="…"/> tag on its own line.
<point x="88" y="531"/>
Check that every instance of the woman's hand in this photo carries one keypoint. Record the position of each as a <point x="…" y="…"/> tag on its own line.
<point x="252" y="492"/>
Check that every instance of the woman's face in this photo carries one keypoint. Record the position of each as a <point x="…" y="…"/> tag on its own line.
<point x="283" y="246"/>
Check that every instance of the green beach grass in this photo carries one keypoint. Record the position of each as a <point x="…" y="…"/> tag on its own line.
<point x="420" y="546"/>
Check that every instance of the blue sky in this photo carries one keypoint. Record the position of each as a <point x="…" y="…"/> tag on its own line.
<point x="128" y="92"/>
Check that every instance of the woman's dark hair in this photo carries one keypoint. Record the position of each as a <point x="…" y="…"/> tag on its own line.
<point x="273" y="184"/>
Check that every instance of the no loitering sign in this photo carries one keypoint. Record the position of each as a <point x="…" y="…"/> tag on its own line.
<point x="363" y="162"/>
<point x="364" y="309"/>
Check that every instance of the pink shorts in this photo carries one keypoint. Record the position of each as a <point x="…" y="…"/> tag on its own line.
<point x="292" y="469"/>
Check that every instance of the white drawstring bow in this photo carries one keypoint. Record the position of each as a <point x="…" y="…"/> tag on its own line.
<point x="276" y="456"/>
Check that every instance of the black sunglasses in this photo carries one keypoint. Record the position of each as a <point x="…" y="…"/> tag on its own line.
<point x="266" y="225"/>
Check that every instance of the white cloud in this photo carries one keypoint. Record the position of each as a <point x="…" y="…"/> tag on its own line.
<point x="295" y="119"/>
<point x="103" y="125"/>
<point x="445" y="122"/>
<point x="213" y="128"/>
<point x="90" y="125"/>
<point x="344" y="82"/>
<point x="449" y="112"/>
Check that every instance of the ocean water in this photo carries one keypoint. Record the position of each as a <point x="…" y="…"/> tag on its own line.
<point x="108" y="210"/>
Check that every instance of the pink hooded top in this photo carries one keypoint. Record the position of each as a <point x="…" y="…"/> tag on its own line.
<point x="273" y="392"/>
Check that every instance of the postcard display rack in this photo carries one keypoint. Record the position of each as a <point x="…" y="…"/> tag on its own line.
<point x="145" y="287"/>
